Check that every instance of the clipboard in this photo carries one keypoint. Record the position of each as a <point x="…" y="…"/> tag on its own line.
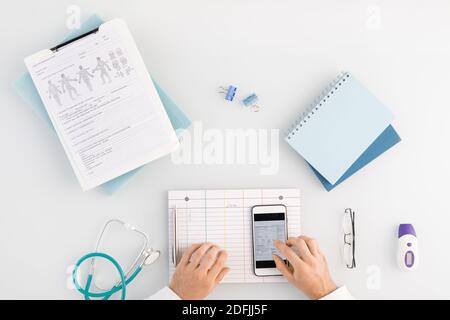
<point x="25" y="88"/>
<point x="67" y="42"/>
<point x="146" y="104"/>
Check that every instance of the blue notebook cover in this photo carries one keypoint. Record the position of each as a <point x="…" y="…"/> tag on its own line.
<point x="340" y="126"/>
<point x="26" y="89"/>
<point x="385" y="141"/>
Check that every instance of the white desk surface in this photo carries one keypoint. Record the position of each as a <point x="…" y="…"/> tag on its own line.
<point x="285" y="51"/>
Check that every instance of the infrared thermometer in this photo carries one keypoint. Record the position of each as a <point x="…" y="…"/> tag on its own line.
<point x="408" y="251"/>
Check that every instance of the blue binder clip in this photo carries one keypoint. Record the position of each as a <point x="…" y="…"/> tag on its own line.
<point x="229" y="92"/>
<point x="250" y="101"/>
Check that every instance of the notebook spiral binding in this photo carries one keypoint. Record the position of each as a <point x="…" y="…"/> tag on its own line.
<point x="317" y="104"/>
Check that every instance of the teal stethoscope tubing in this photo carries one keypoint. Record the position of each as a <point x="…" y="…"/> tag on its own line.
<point x="124" y="281"/>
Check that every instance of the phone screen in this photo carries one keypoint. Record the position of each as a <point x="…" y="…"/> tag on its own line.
<point x="267" y="228"/>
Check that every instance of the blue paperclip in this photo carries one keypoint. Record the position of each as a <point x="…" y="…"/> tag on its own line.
<point x="230" y="92"/>
<point x="250" y="100"/>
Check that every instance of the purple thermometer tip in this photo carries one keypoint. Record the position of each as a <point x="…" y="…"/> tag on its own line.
<point x="406" y="228"/>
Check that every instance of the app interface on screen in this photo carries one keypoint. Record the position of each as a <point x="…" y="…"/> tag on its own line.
<point x="268" y="227"/>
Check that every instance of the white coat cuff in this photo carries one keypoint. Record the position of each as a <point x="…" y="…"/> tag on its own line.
<point x="341" y="293"/>
<point x="164" y="294"/>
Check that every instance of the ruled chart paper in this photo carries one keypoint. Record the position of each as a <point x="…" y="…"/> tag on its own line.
<point x="224" y="217"/>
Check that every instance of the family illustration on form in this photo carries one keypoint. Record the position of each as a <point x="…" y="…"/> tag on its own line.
<point x="65" y="81"/>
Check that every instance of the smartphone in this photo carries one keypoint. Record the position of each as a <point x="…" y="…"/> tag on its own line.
<point x="269" y="223"/>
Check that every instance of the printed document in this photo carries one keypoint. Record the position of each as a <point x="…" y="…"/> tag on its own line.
<point x="103" y="104"/>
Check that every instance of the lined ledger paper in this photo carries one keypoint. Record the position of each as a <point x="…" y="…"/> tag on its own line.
<point x="224" y="217"/>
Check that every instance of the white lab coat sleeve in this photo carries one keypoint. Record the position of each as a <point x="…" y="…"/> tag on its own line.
<point x="164" y="294"/>
<point x="341" y="293"/>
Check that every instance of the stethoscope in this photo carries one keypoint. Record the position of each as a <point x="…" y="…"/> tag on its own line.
<point x="146" y="257"/>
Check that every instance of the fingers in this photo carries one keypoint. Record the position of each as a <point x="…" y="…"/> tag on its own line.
<point x="198" y="254"/>
<point x="222" y="274"/>
<point x="187" y="255"/>
<point x="282" y="266"/>
<point x="209" y="258"/>
<point x="312" y="245"/>
<point x="302" y="248"/>
<point x="218" y="265"/>
<point x="288" y="252"/>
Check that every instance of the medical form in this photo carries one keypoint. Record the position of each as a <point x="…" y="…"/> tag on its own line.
<point x="102" y="103"/>
<point x="223" y="217"/>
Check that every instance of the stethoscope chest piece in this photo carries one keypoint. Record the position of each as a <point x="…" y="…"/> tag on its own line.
<point x="150" y="256"/>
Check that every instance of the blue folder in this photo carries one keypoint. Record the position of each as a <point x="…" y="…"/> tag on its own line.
<point x="26" y="89"/>
<point x="385" y="141"/>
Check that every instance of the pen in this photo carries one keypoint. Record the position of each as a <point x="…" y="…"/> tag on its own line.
<point x="175" y="229"/>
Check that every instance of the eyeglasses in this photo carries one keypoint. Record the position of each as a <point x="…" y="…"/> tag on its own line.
<point x="348" y="248"/>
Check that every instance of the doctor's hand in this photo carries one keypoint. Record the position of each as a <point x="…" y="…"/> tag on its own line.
<point x="307" y="269"/>
<point x="199" y="271"/>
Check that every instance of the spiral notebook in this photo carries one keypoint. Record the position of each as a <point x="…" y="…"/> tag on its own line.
<point x="337" y="134"/>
